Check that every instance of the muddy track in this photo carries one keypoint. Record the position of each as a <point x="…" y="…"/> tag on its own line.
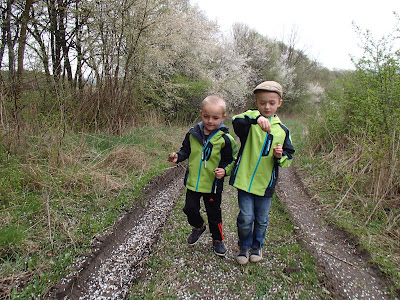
<point x="109" y="271"/>
<point x="346" y="267"/>
<point x="120" y="257"/>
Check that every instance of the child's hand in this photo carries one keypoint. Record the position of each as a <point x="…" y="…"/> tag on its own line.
<point x="278" y="151"/>
<point x="219" y="173"/>
<point x="264" y="124"/>
<point x="173" y="157"/>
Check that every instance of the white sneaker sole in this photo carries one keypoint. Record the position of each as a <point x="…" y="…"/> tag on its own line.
<point x="255" y="258"/>
<point x="242" y="260"/>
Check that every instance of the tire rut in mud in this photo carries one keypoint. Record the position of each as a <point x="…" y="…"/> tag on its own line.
<point x="108" y="273"/>
<point x="120" y="256"/>
<point x="345" y="267"/>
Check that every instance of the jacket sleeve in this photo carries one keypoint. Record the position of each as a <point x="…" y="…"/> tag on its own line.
<point x="185" y="150"/>
<point x="242" y="122"/>
<point x="228" y="154"/>
<point x="288" y="150"/>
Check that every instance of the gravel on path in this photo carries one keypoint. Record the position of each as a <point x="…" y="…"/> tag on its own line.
<point x="347" y="269"/>
<point x="109" y="274"/>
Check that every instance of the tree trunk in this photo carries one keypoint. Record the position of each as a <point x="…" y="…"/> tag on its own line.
<point x="5" y="28"/>
<point x="22" y="40"/>
<point x="54" y="39"/>
<point x="62" y="8"/>
<point x="78" y="36"/>
<point x="42" y="53"/>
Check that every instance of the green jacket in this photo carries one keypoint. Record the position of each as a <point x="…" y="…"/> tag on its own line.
<point x="256" y="169"/>
<point x="206" y="154"/>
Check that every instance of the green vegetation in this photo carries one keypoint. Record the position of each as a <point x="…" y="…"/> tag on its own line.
<point x="91" y="70"/>
<point x="55" y="199"/>
<point x="351" y="155"/>
<point x="92" y="119"/>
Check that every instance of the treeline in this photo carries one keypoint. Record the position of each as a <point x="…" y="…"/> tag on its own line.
<point x="108" y="64"/>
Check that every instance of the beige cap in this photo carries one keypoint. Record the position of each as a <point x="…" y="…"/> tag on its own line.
<point x="271" y="86"/>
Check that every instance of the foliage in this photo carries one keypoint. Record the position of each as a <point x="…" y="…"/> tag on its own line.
<point x="356" y="135"/>
<point x="364" y="118"/>
<point x="101" y="64"/>
<point x="276" y="60"/>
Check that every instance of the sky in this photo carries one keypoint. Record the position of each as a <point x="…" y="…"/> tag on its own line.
<point x="324" y="29"/>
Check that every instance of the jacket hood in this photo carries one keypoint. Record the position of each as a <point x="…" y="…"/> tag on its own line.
<point x="220" y="127"/>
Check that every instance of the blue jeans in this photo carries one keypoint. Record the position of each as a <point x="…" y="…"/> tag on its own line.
<point x="254" y="210"/>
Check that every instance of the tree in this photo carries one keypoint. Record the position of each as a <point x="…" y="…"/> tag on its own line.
<point x="22" y="38"/>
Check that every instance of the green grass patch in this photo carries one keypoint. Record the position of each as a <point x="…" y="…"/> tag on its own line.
<point x="60" y="192"/>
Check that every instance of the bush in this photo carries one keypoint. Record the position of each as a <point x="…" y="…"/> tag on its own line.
<point x="356" y="137"/>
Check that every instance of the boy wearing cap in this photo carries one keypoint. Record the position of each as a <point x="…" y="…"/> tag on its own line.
<point x="265" y="146"/>
<point x="210" y="149"/>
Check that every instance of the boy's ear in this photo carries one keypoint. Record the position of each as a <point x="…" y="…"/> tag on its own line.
<point x="280" y="102"/>
<point x="223" y="117"/>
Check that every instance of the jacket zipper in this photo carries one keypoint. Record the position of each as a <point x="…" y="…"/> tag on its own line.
<point x="237" y="166"/>
<point x="272" y="177"/>
<point x="203" y="157"/>
<point x="215" y="186"/>
<point x="258" y="162"/>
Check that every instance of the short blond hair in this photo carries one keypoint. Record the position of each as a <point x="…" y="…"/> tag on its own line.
<point x="215" y="100"/>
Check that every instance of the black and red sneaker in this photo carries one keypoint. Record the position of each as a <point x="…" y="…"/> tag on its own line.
<point x="219" y="248"/>
<point x="195" y="235"/>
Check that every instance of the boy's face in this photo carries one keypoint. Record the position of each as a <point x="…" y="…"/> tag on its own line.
<point x="267" y="102"/>
<point x="211" y="115"/>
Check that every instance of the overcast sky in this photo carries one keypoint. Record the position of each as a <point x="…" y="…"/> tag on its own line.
<point x="324" y="28"/>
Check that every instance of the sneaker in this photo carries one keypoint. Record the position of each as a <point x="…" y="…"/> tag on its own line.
<point x="219" y="248"/>
<point x="243" y="256"/>
<point x="255" y="255"/>
<point x="195" y="235"/>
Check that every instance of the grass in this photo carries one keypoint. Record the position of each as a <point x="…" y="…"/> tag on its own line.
<point x="176" y="270"/>
<point x="348" y="206"/>
<point x="58" y="194"/>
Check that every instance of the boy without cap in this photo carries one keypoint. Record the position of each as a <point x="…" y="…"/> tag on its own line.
<point x="210" y="149"/>
<point x="265" y="146"/>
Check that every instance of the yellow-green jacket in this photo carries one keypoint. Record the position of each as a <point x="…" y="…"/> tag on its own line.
<point x="256" y="169"/>
<point x="205" y="155"/>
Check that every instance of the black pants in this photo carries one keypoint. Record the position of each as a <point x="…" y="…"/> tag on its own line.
<point x="212" y="202"/>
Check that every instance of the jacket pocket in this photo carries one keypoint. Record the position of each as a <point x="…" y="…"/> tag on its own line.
<point x="267" y="145"/>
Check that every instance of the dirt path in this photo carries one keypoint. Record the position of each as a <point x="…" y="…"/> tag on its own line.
<point x="110" y="270"/>
<point x="119" y="260"/>
<point x="345" y="267"/>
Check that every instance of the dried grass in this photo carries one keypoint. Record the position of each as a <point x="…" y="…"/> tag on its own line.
<point x="367" y="176"/>
<point x="124" y="158"/>
<point x="13" y="281"/>
<point x="78" y="170"/>
<point x="59" y="171"/>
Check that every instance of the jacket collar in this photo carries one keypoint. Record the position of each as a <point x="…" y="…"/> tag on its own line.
<point x="198" y="131"/>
